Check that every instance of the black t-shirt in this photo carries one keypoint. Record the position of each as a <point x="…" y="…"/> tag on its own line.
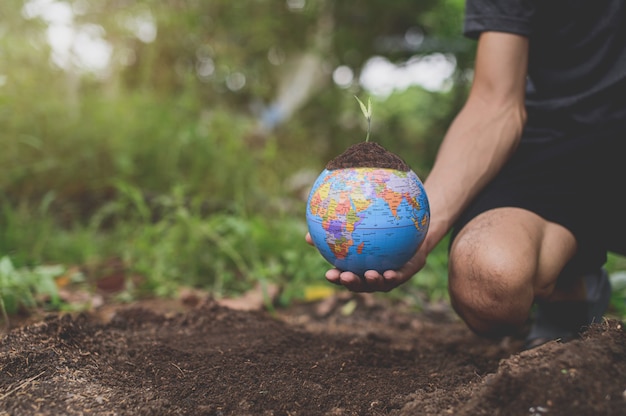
<point x="577" y="55"/>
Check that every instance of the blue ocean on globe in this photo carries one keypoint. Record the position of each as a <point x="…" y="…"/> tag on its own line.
<point x="367" y="218"/>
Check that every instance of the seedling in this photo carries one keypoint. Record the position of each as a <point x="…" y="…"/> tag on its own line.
<point x="367" y="112"/>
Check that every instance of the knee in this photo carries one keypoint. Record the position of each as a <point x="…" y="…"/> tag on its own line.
<point x="489" y="290"/>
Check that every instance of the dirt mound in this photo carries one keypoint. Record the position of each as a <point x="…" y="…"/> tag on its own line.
<point x="371" y="358"/>
<point x="368" y="155"/>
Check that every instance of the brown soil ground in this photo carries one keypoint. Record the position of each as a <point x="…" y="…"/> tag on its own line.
<point x="346" y="355"/>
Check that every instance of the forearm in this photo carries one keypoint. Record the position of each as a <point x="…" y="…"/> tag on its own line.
<point x="483" y="135"/>
<point x="478" y="143"/>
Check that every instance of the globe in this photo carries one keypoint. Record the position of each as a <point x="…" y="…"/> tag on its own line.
<point x="367" y="218"/>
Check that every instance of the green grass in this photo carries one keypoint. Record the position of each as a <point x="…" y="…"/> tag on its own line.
<point x="224" y="253"/>
<point x="26" y="287"/>
<point x="616" y="266"/>
<point x="182" y="198"/>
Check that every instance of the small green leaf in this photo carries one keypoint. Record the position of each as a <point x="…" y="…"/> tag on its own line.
<point x="367" y="112"/>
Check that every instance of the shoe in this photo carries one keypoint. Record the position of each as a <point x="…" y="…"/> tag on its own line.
<point x="564" y="320"/>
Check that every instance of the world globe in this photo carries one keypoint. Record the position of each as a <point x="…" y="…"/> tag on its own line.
<point x="367" y="218"/>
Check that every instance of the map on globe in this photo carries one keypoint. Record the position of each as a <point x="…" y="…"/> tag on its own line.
<point x="367" y="218"/>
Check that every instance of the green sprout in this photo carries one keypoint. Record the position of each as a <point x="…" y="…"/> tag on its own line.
<point x="367" y="112"/>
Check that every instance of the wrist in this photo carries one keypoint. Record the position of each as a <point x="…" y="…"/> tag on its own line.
<point x="437" y="230"/>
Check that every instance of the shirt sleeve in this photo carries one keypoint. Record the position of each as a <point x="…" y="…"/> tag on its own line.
<point x="511" y="16"/>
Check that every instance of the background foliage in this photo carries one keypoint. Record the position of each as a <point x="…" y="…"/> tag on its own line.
<point x="188" y="154"/>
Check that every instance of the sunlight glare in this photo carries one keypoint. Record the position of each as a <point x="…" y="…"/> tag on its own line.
<point x="432" y="72"/>
<point x="73" y="46"/>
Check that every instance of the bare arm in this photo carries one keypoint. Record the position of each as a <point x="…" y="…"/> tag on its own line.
<point x="483" y="135"/>
<point x="478" y="143"/>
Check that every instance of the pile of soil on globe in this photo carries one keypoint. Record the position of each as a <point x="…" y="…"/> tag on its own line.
<point x="368" y="155"/>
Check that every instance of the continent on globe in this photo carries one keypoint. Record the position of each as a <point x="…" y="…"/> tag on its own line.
<point x="367" y="218"/>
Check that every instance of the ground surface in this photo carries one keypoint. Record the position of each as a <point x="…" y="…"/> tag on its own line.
<point x="343" y="356"/>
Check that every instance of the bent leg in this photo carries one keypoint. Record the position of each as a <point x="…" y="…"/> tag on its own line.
<point x="500" y="262"/>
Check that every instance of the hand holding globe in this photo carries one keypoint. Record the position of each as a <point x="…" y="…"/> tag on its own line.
<point x="367" y="210"/>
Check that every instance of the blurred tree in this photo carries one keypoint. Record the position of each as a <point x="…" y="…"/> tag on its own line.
<point x="262" y="59"/>
<point x="273" y="57"/>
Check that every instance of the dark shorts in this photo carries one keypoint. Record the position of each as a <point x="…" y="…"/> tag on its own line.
<point x="575" y="178"/>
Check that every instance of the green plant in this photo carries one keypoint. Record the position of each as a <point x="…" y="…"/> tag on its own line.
<point x="26" y="287"/>
<point x="367" y="112"/>
<point x="616" y="267"/>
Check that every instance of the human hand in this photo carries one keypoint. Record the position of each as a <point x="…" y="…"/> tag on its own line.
<point x="372" y="280"/>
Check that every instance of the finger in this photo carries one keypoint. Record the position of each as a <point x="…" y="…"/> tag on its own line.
<point x="353" y="282"/>
<point x="349" y="280"/>
<point x="333" y="276"/>
<point x="394" y="277"/>
<point x="308" y="238"/>
<point x="376" y="282"/>
<point x="385" y="282"/>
